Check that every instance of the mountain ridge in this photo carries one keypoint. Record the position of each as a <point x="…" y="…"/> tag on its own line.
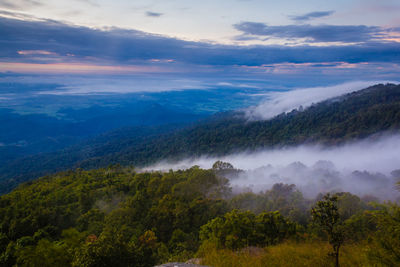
<point x="352" y="116"/>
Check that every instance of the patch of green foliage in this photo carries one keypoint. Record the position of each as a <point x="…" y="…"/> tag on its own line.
<point x="240" y="229"/>
<point x="108" y="217"/>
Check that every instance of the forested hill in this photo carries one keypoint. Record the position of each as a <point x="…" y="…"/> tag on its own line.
<point x="355" y="115"/>
<point x="116" y="217"/>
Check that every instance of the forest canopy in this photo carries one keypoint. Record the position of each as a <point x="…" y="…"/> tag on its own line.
<point x="116" y="216"/>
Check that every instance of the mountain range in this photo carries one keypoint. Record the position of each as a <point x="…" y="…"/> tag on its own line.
<point x="353" y="116"/>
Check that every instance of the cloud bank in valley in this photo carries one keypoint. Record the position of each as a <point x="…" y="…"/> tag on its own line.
<point x="368" y="167"/>
<point x="282" y="102"/>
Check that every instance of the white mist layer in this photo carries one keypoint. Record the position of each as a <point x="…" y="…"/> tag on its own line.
<point x="366" y="167"/>
<point x="282" y="102"/>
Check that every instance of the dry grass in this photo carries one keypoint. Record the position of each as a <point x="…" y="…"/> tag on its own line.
<point x="286" y="254"/>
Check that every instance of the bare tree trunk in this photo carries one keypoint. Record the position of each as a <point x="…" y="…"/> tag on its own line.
<point x="337" y="256"/>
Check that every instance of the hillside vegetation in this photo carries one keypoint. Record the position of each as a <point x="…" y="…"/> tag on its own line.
<point x="352" y="116"/>
<point x="116" y="217"/>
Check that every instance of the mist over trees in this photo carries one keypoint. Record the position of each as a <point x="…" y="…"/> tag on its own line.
<point x="120" y="217"/>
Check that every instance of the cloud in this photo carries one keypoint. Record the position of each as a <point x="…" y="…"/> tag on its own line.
<point x="19" y="4"/>
<point x="363" y="167"/>
<point x="99" y="84"/>
<point x="77" y="68"/>
<point x="115" y="46"/>
<point x="112" y="44"/>
<point x="90" y="2"/>
<point x="18" y="16"/>
<point x="312" y="15"/>
<point x="35" y="52"/>
<point x="316" y="33"/>
<point x="121" y="85"/>
<point x="153" y="14"/>
<point x="282" y="102"/>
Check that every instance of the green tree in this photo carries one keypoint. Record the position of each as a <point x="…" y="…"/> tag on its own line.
<point x="348" y="205"/>
<point x="385" y="245"/>
<point x="325" y="214"/>
<point x="239" y="229"/>
<point x="45" y="253"/>
<point x="221" y="165"/>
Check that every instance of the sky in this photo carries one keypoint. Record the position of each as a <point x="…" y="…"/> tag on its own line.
<point x="185" y="44"/>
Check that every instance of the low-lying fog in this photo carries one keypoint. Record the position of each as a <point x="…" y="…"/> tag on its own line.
<point x="367" y="167"/>
<point x="276" y="103"/>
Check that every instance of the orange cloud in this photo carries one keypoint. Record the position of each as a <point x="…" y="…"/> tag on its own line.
<point x="35" y="52"/>
<point x="76" y="68"/>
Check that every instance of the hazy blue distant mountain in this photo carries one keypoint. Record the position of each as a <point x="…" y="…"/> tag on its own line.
<point x="40" y="118"/>
<point x="28" y="134"/>
<point x="45" y="117"/>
